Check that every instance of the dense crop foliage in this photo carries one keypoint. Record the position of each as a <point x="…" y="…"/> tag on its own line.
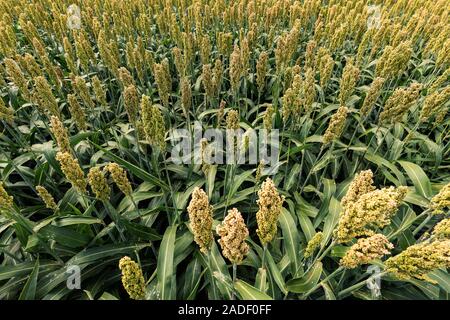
<point x="354" y="207"/>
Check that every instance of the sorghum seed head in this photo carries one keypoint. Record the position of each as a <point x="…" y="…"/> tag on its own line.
<point x="6" y="113"/>
<point x="153" y="122"/>
<point x="442" y="229"/>
<point x="261" y="70"/>
<point x="233" y="233"/>
<point x="201" y="220"/>
<point x="99" y="184"/>
<point x="119" y="176"/>
<point x="336" y="125"/>
<point x="270" y="205"/>
<point x="420" y="259"/>
<point x="441" y="201"/>
<point x="365" y="250"/>
<point x="72" y="170"/>
<point x="232" y="120"/>
<point x="399" y="103"/>
<point x="372" y="96"/>
<point x="313" y="244"/>
<point x="77" y="112"/>
<point x="350" y="77"/>
<point x="47" y="198"/>
<point x="132" y="278"/>
<point x="362" y="183"/>
<point x="186" y="95"/>
<point x="131" y="103"/>
<point x="44" y="96"/>
<point x="60" y="133"/>
<point x="6" y="201"/>
<point x="372" y="209"/>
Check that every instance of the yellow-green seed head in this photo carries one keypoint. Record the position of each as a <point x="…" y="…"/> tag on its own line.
<point x="120" y="178"/>
<point x="366" y="250"/>
<point x="132" y="278"/>
<point x="6" y="201"/>
<point x="99" y="184"/>
<point x="72" y="170"/>
<point x="232" y="120"/>
<point x="16" y="76"/>
<point x="442" y="229"/>
<point x="362" y="183"/>
<point x="372" y="96"/>
<point x="6" y="113"/>
<point x="418" y="260"/>
<point x="399" y="103"/>
<point x="186" y="95"/>
<point x="349" y="79"/>
<point x="131" y="103"/>
<point x="233" y="233"/>
<point x="441" y="202"/>
<point x="261" y="70"/>
<point x="60" y="133"/>
<point x="77" y="112"/>
<point x="372" y="210"/>
<point x="153" y="122"/>
<point x="313" y="244"/>
<point x="44" y="97"/>
<point x="336" y="125"/>
<point x="99" y="92"/>
<point x="200" y="219"/>
<point x="47" y="198"/>
<point x="270" y="205"/>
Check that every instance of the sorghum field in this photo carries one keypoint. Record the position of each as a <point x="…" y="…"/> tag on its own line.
<point x="352" y="204"/>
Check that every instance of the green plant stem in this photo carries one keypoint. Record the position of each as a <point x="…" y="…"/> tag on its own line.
<point x="424" y="222"/>
<point x="330" y="276"/>
<point x="263" y="260"/>
<point x="358" y="285"/>
<point x="319" y="157"/>
<point x="234" y="280"/>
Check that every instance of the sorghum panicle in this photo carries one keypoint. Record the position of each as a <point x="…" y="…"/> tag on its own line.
<point x="362" y="183"/>
<point x="47" y="198"/>
<point x="119" y="176"/>
<point x="420" y="259"/>
<point x="153" y="123"/>
<point x="313" y="244"/>
<point x="366" y="250"/>
<point x="441" y="201"/>
<point x="372" y="96"/>
<point x="201" y="220"/>
<point x="372" y="209"/>
<point x="233" y="233"/>
<point x="270" y="205"/>
<point x="99" y="183"/>
<point x="77" y="112"/>
<point x="336" y="125"/>
<point x="131" y="103"/>
<point x="6" y="201"/>
<point x="60" y="133"/>
<point x="72" y="170"/>
<point x="442" y="229"/>
<point x="132" y="278"/>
